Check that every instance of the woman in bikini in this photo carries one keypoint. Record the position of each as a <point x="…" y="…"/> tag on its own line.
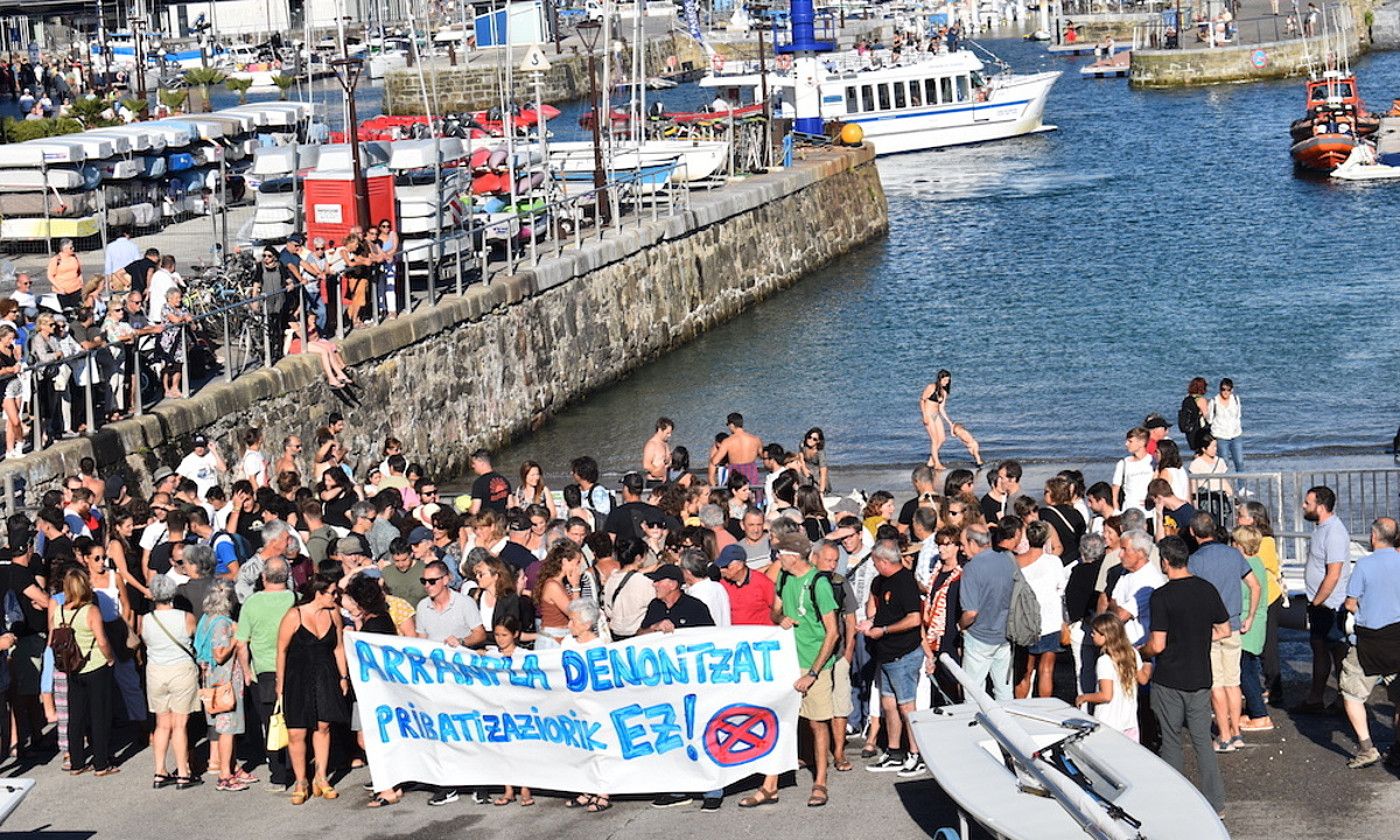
<point x="933" y="406"/>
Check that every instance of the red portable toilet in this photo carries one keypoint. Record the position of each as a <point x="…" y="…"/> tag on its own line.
<point x="330" y="202"/>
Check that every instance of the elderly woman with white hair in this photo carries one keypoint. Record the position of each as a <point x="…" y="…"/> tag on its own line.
<point x="584" y="619"/>
<point x="172" y="681"/>
<point x="214" y="644"/>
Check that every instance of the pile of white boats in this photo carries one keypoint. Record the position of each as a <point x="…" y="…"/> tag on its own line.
<point x="140" y="176"/>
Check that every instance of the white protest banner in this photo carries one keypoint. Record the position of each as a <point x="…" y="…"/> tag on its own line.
<point x="692" y="710"/>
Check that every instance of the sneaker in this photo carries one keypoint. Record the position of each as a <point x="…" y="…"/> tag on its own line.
<point x="913" y="766"/>
<point x="481" y="797"/>
<point x="889" y="764"/>
<point x="443" y="797"/>
<point x="1365" y="758"/>
<point x="711" y="804"/>
<point x="671" y="800"/>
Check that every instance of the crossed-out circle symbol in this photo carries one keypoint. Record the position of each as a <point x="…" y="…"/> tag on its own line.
<point x="740" y="733"/>
<point x="1259" y="58"/>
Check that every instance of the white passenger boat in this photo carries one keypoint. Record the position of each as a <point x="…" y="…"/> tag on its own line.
<point x="920" y="101"/>
<point x="1042" y="770"/>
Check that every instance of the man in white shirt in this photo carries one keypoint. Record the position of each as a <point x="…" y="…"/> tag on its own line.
<point x="1132" y="594"/>
<point x="23" y="293"/>
<point x="203" y="466"/>
<point x="163" y="280"/>
<point x="121" y="252"/>
<point x="254" y="462"/>
<point x="1133" y="472"/>
<point x="698" y="584"/>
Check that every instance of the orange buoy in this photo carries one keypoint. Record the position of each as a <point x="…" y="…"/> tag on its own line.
<point x="852" y="134"/>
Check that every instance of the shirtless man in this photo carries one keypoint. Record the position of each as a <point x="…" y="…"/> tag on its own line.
<point x="656" y="455"/>
<point x="287" y="461"/>
<point x="740" y="448"/>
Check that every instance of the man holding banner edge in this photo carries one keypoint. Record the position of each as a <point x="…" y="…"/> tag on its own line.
<point x="806" y="605"/>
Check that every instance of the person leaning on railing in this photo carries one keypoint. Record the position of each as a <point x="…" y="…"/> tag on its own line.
<point x="44" y="353"/>
<point x="88" y="336"/>
<point x="175" y="320"/>
<point x="10" y="367"/>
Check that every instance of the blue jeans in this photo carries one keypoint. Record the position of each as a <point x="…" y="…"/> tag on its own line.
<point x="899" y="678"/>
<point x="982" y="661"/>
<point x="1233" y="449"/>
<point x="1252" y="686"/>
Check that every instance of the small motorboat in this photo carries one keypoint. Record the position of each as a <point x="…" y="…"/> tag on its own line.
<point x="1334" y="123"/>
<point x="1041" y="769"/>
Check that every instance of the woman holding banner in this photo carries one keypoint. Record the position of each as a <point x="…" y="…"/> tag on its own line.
<point x="312" y="680"/>
<point x="496" y="596"/>
<point x="365" y="601"/>
<point x="558" y="584"/>
<point x="506" y="631"/>
<point x="584" y="618"/>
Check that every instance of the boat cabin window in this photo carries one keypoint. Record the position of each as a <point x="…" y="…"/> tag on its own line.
<point x="867" y="98"/>
<point x="915" y="94"/>
<point x="962" y="88"/>
<point x="931" y="91"/>
<point x="899" y="101"/>
<point x="945" y="87"/>
<point x="884" y="91"/>
<point x="1344" y="90"/>
<point x="852" y="104"/>
<point x="977" y="80"/>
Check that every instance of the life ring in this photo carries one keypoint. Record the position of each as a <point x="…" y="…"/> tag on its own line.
<point x="717" y="62"/>
<point x="784" y="62"/>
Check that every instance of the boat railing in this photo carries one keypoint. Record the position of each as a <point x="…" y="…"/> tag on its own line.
<point x="82" y="390"/>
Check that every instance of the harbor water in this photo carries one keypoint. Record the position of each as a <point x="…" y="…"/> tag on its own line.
<point x="1073" y="281"/>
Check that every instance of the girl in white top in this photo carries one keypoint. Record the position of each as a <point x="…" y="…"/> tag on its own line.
<point x="1116" y="701"/>
<point x="1225" y="423"/>
<point x="1209" y="462"/>
<point x="1046" y="576"/>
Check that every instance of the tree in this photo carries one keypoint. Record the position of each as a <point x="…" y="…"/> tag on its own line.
<point x="240" y="87"/>
<point x="174" y="99"/>
<point x="88" y="110"/>
<point x="284" y="83"/>
<point x="203" y="77"/>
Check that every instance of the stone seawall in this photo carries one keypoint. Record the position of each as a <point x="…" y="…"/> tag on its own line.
<point x="483" y="368"/>
<point x="476" y="86"/>
<point x="1246" y="63"/>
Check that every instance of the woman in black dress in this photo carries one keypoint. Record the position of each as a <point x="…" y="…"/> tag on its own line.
<point x="313" y="680"/>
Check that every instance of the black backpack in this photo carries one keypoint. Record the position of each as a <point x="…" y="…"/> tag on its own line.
<point x="1190" y="421"/>
<point x="834" y="581"/>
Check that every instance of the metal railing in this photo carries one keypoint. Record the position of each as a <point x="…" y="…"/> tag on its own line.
<point x="1213" y="34"/>
<point x="108" y="378"/>
<point x="1363" y="495"/>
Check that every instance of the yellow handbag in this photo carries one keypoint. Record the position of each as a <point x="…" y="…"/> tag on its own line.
<point x="277" y="729"/>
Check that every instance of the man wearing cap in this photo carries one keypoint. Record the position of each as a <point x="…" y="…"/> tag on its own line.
<point x="1156" y="426"/>
<point x="672" y="608"/>
<point x="203" y="465"/>
<point x="514" y="553"/>
<point x="750" y="593"/>
<point x="626" y="519"/>
<point x="806" y="605"/>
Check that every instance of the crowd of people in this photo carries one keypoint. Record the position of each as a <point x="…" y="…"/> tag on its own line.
<point x="223" y="595"/>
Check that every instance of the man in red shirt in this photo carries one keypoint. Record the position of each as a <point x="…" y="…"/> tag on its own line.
<point x="750" y="593"/>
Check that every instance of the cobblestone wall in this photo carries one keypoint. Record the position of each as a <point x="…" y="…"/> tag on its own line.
<point x="484" y="368"/>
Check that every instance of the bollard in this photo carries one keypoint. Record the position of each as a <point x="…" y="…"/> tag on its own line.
<point x="339" y="315"/>
<point x="137" y="403"/>
<point x="267" y="342"/>
<point x="37" y="429"/>
<point x="185" y="362"/>
<point x="458" y="260"/>
<point x="87" y="393"/>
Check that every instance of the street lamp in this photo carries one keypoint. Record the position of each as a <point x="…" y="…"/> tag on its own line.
<point x="347" y="72"/>
<point x="588" y="33"/>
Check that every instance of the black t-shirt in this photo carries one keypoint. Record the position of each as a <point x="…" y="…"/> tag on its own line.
<point x="1081" y="600"/>
<point x="1187" y="610"/>
<point x="992" y="510"/>
<point x="492" y="490"/>
<point x="160" y="557"/>
<point x="906" y="513"/>
<point x="516" y="556"/>
<point x="626" y="520"/>
<point x="337" y="510"/>
<point x="16" y="578"/>
<point x="816" y="527"/>
<point x="382" y="624"/>
<point x="895" y="597"/>
<point x="1178" y="522"/>
<point x="688" y="611"/>
<point x="1069" y="527"/>
<point x="140" y="272"/>
<point x="61" y="546"/>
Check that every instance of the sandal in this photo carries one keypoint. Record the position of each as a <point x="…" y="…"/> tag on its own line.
<point x="759" y="799"/>
<point x="380" y="801"/>
<point x="843" y="766"/>
<point x="869" y="751"/>
<point x="818" y="797"/>
<point x="502" y="800"/>
<point x="161" y="780"/>
<point x="107" y="771"/>
<point x="301" y="792"/>
<point x="187" y="782"/>
<point x="527" y="801"/>
<point x="599" y="805"/>
<point x="583" y="800"/>
<point x="78" y="771"/>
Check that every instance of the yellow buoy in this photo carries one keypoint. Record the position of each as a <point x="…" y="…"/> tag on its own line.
<point x="852" y="135"/>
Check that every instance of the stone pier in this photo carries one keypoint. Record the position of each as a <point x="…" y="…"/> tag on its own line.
<point x="485" y="367"/>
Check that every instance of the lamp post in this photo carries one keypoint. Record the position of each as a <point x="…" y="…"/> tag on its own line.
<point x="347" y="72"/>
<point x="588" y="33"/>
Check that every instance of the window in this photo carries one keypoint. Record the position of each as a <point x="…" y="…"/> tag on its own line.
<point x="852" y="106"/>
<point x="884" y="91"/>
<point x="945" y="87"/>
<point x="962" y="89"/>
<point x="899" y="101"/>
<point x="915" y="94"/>
<point x="867" y="98"/>
<point x="931" y="89"/>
